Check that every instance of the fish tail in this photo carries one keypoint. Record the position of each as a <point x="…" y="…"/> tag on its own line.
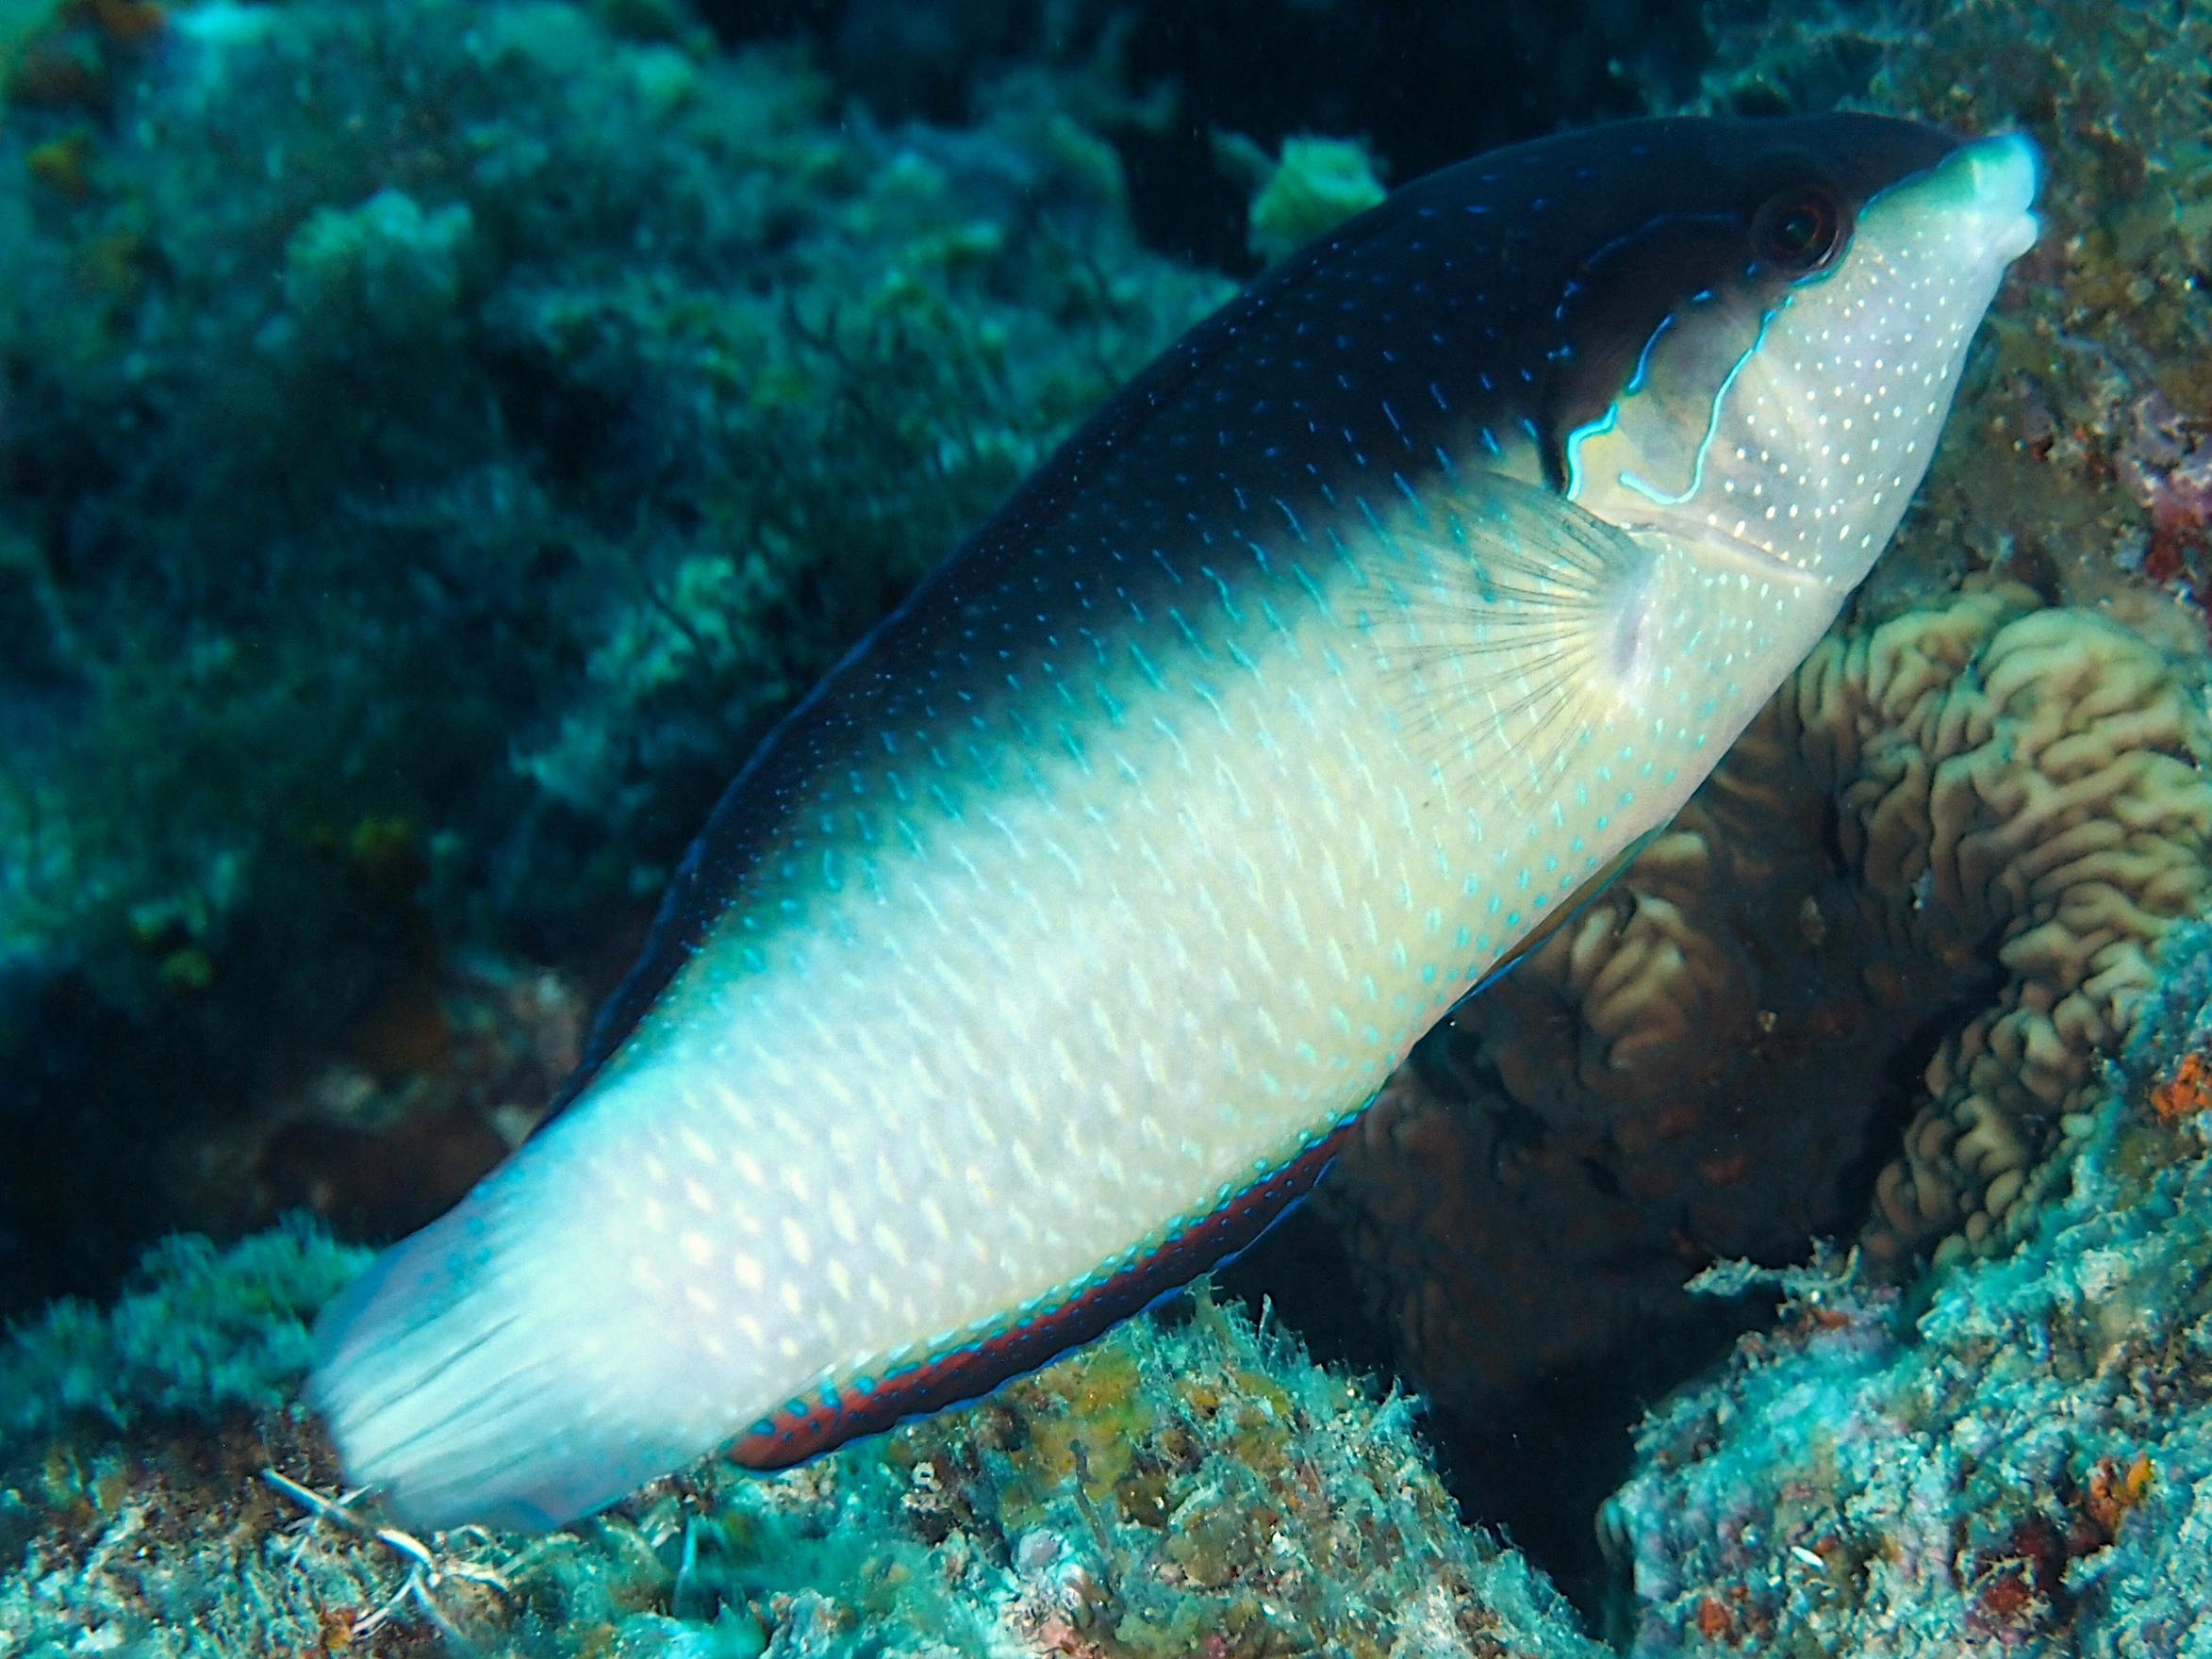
<point x="472" y="1375"/>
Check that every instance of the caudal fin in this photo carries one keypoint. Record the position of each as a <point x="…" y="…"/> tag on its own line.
<point x="489" y="1369"/>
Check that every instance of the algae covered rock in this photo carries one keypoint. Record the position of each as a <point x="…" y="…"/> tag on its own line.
<point x="1185" y="1485"/>
<point x="2020" y="1461"/>
<point x="201" y="1331"/>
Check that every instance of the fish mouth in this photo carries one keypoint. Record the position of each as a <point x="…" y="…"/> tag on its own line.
<point x="1986" y="187"/>
<point x="2004" y="172"/>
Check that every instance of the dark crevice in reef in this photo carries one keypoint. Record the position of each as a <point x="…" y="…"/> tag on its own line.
<point x="1538" y="1460"/>
<point x="1536" y="1465"/>
<point x="1539" y="1464"/>
<point x="80" y="1192"/>
<point x="1901" y="1093"/>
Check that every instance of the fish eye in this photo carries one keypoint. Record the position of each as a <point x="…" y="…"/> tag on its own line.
<point x="1798" y="229"/>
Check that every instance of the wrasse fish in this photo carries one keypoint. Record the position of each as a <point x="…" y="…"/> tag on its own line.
<point x="1048" y="948"/>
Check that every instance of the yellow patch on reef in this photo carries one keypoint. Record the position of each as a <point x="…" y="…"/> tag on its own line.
<point x="1093" y="1399"/>
<point x="1097" y="1418"/>
<point x="65" y="163"/>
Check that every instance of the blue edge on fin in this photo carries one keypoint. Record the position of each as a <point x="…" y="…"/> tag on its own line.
<point x="805" y="1428"/>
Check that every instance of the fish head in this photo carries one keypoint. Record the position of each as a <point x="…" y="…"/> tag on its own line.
<point x="1761" y="374"/>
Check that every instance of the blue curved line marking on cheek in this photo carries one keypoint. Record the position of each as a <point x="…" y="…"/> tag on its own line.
<point x="1573" y="448"/>
<point x="1611" y="415"/>
<point x="1712" y="424"/>
<point x="1643" y="357"/>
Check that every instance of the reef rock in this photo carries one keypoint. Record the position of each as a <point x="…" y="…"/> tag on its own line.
<point x="1187" y="1485"/>
<point x="2027" y="1466"/>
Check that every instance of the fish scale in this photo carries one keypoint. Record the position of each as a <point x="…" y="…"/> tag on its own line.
<point x="1045" y="950"/>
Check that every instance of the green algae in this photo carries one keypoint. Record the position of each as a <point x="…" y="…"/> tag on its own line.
<point x="201" y="1331"/>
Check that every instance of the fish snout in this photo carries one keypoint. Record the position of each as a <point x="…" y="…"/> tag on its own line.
<point x="1999" y="176"/>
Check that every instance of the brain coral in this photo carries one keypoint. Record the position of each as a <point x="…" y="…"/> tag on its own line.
<point x="2026" y="776"/>
<point x="1958" y="834"/>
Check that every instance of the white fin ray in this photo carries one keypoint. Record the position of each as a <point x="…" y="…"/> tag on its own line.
<point x="1511" y="630"/>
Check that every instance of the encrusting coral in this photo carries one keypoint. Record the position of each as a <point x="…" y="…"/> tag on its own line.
<point x="1185" y="1486"/>
<point x="1966" y="828"/>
